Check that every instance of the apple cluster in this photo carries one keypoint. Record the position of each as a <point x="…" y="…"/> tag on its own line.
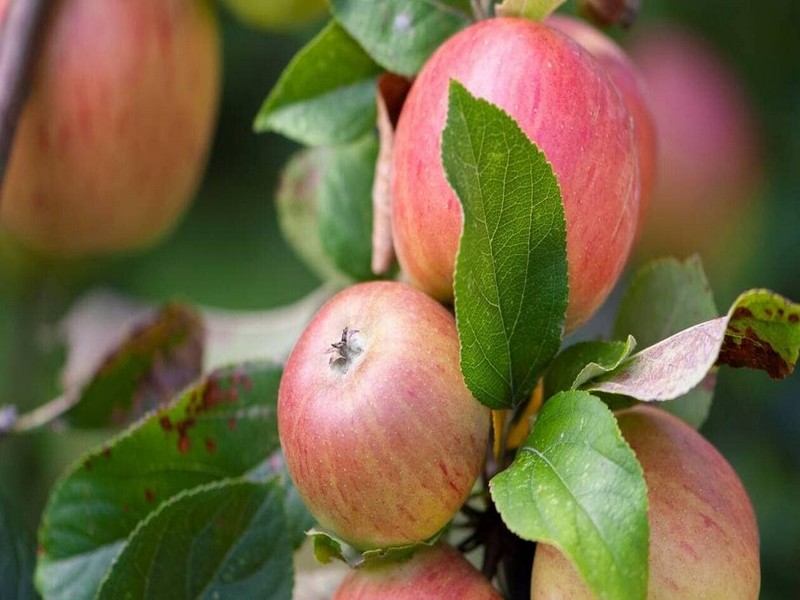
<point x="381" y="436"/>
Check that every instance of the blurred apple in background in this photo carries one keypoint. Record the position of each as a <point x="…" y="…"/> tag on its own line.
<point x="277" y="15"/>
<point x="113" y="139"/>
<point x="709" y="170"/>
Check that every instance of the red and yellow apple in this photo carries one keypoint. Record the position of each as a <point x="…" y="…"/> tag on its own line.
<point x="565" y="102"/>
<point x="381" y="436"/>
<point x="625" y="75"/>
<point x="113" y="138"/>
<point x="439" y="572"/>
<point x="703" y="532"/>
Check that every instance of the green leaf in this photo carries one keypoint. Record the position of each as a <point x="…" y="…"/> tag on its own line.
<point x="402" y="34"/>
<point x="224" y="540"/>
<point x="761" y="331"/>
<point x="328" y="547"/>
<point x="16" y="556"/>
<point x="158" y="358"/>
<point x="538" y="10"/>
<point x="576" y="484"/>
<point x="665" y="297"/>
<point x="326" y="95"/>
<point x="223" y="427"/>
<point x="584" y="361"/>
<point x="511" y="269"/>
<point x="345" y="206"/>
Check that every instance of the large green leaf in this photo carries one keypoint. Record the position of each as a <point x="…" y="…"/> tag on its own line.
<point x="223" y="427"/>
<point x="511" y="269"/>
<point x="665" y="297"/>
<point x="576" y="484"/>
<point x="761" y="331"/>
<point x="16" y="556"/>
<point x="224" y="540"/>
<point x="402" y="34"/>
<point x="326" y="95"/>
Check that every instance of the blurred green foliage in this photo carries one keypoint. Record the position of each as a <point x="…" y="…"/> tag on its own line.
<point x="227" y="252"/>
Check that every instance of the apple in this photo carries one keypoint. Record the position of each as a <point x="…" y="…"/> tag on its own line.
<point x="439" y="572"/>
<point x="709" y="160"/>
<point x="113" y="138"/>
<point x="272" y="15"/>
<point x="381" y="436"/>
<point x="625" y="75"/>
<point x="703" y="532"/>
<point x="566" y="103"/>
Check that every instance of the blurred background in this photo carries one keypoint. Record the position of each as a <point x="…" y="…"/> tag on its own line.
<point x="227" y="252"/>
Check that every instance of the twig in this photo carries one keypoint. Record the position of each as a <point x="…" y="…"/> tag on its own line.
<point x="20" y="28"/>
<point x="40" y="416"/>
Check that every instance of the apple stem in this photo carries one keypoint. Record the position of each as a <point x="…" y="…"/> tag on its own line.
<point x="18" y="41"/>
<point x="345" y="350"/>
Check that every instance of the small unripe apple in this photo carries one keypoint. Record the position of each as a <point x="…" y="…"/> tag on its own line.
<point x="381" y="436"/>
<point x="625" y="75"/>
<point x="277" y="15"/>
<point x="439" y="573"/>
<point x="564" y="101"/>
<point x="703" y="532"/>
<point x="113" y="138"/>
<point x="709" y="153"/>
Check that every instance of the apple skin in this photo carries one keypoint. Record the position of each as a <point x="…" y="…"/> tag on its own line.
<point x="709" y="156"/>
<point x="113" y="138"/>
<point x="277" y="15"/>
<point x="703" y="532"/>
<point x="630" y="83"/>
<point x="385" y="451"/>
<point x="439" y="573"/>
<point x="565" y="102"/>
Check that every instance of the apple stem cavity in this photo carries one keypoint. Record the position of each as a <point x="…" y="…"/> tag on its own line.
<point x="345" y="350"/>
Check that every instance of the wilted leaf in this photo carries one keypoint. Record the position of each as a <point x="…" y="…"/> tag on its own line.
<point x="223" y="540"/>
<point x="392" y="91"/>
<point x="326" y="95"/>
<point x="667" y="296"/>
<point x="576" y="484"/>
<point x="328" y="547"/>
<point x="223" y="427"/>
<point x="402" y="34"/>
<point x="511" y="269"/>
<point x="144" y="365"/>
<point x="584" y="361"/>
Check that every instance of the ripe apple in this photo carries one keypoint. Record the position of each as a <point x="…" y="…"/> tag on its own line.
<point x="272" y="15"/>
<point x="703" y="533"/>
<point x="381" y="435"/>
<point x="625" y="75"/>
<point x="565" y="102"/>
<point x="113" y="138"/>
<point x="709" y="154"/>
<point x="439" y="572"/>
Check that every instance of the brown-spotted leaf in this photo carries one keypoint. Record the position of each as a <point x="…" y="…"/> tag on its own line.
<point x="118" y="370"/>
<point x="392" y="92"/>
<point x="761" y="331"/>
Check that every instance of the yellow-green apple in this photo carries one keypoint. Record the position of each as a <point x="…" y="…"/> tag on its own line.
<point x="439" y="572"/>
<point x="271" y="15"/>
<point x="113" y="138"/>
<point x="709" y="153"/>
<point x="703" y="532"/>
<point x="381" y="436"/>
<point x="625" y="75"/>
<point x="565" y="102"/>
